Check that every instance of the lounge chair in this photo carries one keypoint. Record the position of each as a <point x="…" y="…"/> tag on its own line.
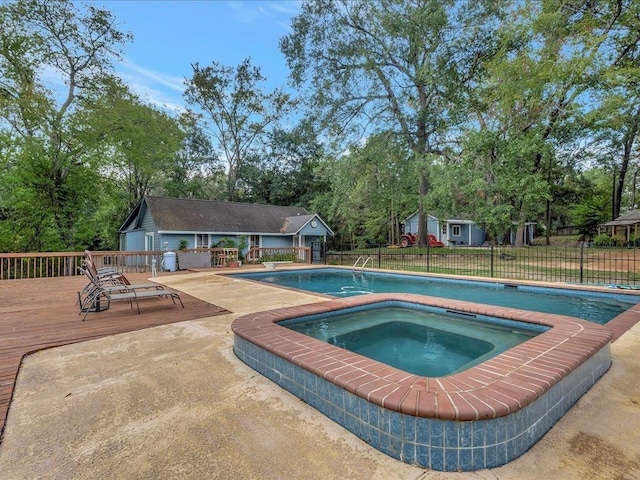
<point x="109" y="279"/>
<point x="92" y="299"/>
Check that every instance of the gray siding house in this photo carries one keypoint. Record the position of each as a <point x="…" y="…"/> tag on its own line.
<point x="450" y="232"/>
<point x="161" y="223"/>
<point x="456" y="231"/>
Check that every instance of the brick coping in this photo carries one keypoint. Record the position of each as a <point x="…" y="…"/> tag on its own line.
<point x="495" y="388"/>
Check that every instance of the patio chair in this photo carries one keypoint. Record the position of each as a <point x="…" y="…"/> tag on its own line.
<point x="112" y="284"/>
<point x="91" y="299"/>
<point x="89" y="262"/>
<point x="108" y="279"/>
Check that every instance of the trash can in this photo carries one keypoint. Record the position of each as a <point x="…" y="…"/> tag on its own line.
<point x="169" y="261"/>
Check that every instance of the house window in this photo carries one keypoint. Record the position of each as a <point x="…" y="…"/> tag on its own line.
<point x="444" y="229"/>
<point x="202" y="240"/>
<point x="254" y="241"/>
<point x="455" y="230"/>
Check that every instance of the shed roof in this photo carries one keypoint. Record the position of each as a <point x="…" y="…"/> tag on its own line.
<point x="194" y="215"/>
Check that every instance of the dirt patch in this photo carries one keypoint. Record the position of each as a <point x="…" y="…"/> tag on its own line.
<point x="600" y="459"/>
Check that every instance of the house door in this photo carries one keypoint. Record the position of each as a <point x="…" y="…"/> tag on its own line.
<point x="148" y="247"/>
<point x="318" y="252"/>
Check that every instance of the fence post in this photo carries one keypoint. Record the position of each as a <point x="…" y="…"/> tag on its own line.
<point x="581" y="261"/>
<point x="379" y="256"/>
<point x="428" y="257"/>
<point x="491" y="260"/>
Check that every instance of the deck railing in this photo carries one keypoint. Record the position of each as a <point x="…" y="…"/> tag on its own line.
<point x="275" y="254"/>
<point x="62" y="264"/>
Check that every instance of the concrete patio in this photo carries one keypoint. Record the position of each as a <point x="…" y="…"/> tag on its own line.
<point x="173" y="401"/>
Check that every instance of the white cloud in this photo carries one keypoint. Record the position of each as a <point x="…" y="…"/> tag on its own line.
<point x="158" y="89"/>
<point x="172" y="82"/>
<point x="253" y="12"/>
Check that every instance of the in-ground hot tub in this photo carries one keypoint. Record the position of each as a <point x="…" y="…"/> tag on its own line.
<point x="415" y="338"/>
<point x="482" y="417"/>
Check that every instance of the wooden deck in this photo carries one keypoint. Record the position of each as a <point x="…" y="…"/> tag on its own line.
<point x="42" y="313"/>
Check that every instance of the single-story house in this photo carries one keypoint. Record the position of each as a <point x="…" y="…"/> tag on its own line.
<point x="625" y="226"/>
<point x="163" y="223"/>
<point x="450" y="232"/>
<point x="458" y="231"/>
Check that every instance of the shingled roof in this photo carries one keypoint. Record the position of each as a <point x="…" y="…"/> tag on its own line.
<point x="629" y="218"/>
<point x="192" y="215"/>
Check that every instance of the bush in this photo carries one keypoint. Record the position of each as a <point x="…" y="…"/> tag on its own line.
<point x="231" y="243"/>
<point x="602" y="240"/>
<point x="605" y="240"/>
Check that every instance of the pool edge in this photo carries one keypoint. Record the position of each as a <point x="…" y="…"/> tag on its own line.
<point x="523" y="391"/>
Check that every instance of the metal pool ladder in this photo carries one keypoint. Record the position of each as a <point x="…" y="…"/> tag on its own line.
<point x="364" y="263"/>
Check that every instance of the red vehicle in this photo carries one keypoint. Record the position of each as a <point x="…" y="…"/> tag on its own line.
<point x="409" y="239"/>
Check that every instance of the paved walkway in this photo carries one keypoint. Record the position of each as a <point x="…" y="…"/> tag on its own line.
<point x="173" y="402"/>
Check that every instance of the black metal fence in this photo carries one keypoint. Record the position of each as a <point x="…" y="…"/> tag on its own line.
<point x="583" y="264"/>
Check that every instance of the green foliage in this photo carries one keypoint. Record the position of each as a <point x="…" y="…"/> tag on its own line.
<point x="138" y="141"/>
<point x="183" y="244"/>
<point x="239" y="111"/>
<point x="240" y="244"/>
<point x="196" y="171"/>
<point x="392" y="66"/>
<point x="587" y="217"/>
<point x="496" y="112"/>
<point x="371" y="190"/>
<point x="605" y="240"/>
<point x="287" y="170"/>
<point x="52" y="168"/>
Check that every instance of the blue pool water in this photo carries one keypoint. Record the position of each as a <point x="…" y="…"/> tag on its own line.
<point x="419" y="341"/>
<point x="593" y="306"/>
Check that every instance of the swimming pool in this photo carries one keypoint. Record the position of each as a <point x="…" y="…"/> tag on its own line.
<point x="417" y="339"/>
<point x="598" y="307"/>
<point x="482" y="417"/>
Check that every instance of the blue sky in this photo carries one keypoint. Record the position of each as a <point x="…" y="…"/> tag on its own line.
<point x="170" y="35"/>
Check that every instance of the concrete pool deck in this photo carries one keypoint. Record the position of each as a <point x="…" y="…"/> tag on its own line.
<point x="175" y="402"/>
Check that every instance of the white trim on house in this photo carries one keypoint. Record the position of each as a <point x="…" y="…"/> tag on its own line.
<point x="217" y="234"/>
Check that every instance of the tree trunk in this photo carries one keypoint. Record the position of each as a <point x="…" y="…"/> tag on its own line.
<point x="548" y="224"/>
<point x="629" y="140"/>
<point x="422" y="217"/>
<point x="520" y="235"/>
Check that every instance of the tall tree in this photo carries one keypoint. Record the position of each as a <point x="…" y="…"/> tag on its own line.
<point x="615" y="120"/>
<point x="138" y="143"/>
<point x="240" y="112"/>
<point x="286" y="171"/>
<point x="372" y="188"/>
<point x="390" y="65"/>
<point x="44" y="41"/>
<point x="196" y="171"/>
<point x="537" y="87"/>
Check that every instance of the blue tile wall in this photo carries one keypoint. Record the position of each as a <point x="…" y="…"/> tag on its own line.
<point x="426" y="442"/>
